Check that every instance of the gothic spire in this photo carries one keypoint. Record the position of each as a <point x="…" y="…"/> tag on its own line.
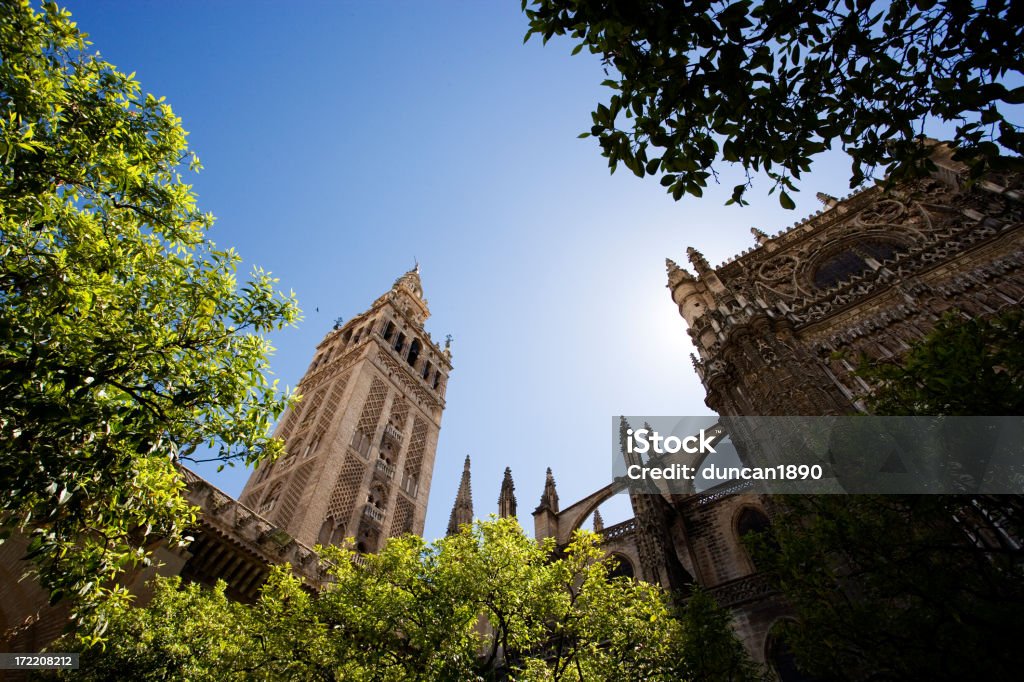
<point x="462" y="510"/>
<point x="598" y="521"/>
<point x="827" y="200"/>
<point x="628" y="458"/>
<point x="676" y="275"/>
<point x="549" y="500"/>
<point x="759" y="236"/>
<point x="698" y="260"/>
<point x="507" y="498"/>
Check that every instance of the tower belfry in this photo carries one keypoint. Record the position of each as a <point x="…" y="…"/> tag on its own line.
<point x="360" y="445"/>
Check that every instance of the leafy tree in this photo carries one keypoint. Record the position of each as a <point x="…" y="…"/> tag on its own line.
<point x="770" y="85"/>
<point x="913" y="587"/>
<point x="125" y="340"/>
<point x="709" y="647"/>
<point x="963" y="367"/>
<point x="190" y="632"/>
<point x="490" y="599"/>
<point x="488" y="603"/>
<point x="900" y="587"/>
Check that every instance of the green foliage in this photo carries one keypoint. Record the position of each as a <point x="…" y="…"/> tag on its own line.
<point x="456" y="609"/>
<point x="488" y="603"/>
<point x="904" y="587"/>
<point x="900" y="588"/>
<point x="125" y="339"/>
<point x="709" y="647"/>
<point x="963" y="367"/>
<point x="770" y="85"/>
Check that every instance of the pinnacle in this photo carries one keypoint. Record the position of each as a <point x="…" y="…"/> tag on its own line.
<point x="462" y="510"/>
<point x="697" y="259"/>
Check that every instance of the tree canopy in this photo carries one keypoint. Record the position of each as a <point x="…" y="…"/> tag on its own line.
<point x="126" y="340"/>
<point x="963" y="367"/>
<point x="488" y="603"/>
<point x="770" y="85"/>
<point x="912" y="587"/>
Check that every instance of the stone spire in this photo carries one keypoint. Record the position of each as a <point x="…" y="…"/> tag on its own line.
<point x="549" y="500"/>
<point x="598" y="521"/>
<point x="760" y="237"/>
<point x="630" y="458"/>
<point x="462" y="510"/>
<point x="507" y="498"/>
<point x="827" y="200"/>
<point x="676" y="275"/>
<point x="698" y="260"/>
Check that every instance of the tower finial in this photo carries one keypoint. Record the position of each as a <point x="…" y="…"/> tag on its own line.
<point x="549" y="499"/>
<point x="462" y="510"/>
<point x="827" y="199"/>
<point x="624" y="426"/>
<point x="759" y="236"/>
<point x="698" y="260"/>
<point x="598" y="521"/>
<point x="676" y="275"/>
<point x="507" y="497"/>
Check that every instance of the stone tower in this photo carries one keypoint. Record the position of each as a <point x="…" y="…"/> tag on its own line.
<point x="360" y="444"/>
<point x="462" y="510"/>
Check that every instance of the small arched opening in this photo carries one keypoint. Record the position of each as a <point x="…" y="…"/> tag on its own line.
<point x="622" y="567"/>
<point x="751" y="521"/>
<point x="414" y="352"/>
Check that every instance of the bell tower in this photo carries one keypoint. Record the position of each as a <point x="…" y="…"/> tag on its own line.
<point x="360" y="444"/>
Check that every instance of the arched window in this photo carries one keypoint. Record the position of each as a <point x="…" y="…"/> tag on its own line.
<point x="314" y="443"/>
<point x="749" y="522"/>
<point x="414" y="352"/>
<point x="270" y="499"/>
<point x="410" y="484"/>
<point x="623" y="567"/>
<point x="400" y="343"/>
<point x="263" y="471"/>
<point x="376" y="496"/>
<point x="332" y="532"/>
<point x="781" y="659"/>
<point x="752" y="520"/>
<point x="389" y="330"/>
<point x="853" y="261"/>
<point x="360" y="442"/>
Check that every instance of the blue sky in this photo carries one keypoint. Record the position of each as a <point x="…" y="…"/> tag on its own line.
<point x="343" y="140"/>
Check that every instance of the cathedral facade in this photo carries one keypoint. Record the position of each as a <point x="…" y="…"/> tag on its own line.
<point x="779" y="330"/>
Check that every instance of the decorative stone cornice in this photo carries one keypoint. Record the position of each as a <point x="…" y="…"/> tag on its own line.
<point x="241" y="526"/>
